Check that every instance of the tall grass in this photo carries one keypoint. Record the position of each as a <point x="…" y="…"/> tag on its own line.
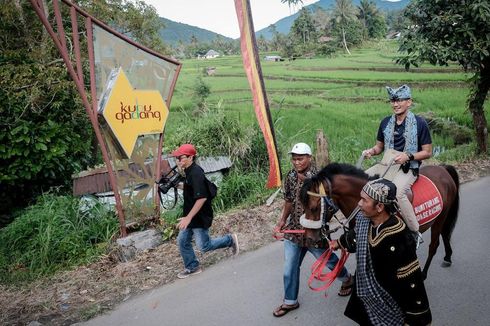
<point x="213" y="132"/>
<point x="56" y="233"/>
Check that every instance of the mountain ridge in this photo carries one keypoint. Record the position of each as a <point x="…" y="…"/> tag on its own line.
<point x="283" y="25"/>
<point x="175" y="32"/>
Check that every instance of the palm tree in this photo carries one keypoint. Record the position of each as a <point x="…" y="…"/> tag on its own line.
<point x="343" y="13"/>
<point x="304" y="26"/>
<point x="292" y="2"/>
<point x="370" y="17"/>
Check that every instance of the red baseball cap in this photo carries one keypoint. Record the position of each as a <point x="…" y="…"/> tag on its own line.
<point x="185" y="149"/>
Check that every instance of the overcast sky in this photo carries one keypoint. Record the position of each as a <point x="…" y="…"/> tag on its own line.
<point x="219" y="16"/>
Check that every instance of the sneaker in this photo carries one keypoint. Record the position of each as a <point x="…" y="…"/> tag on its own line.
<point x="186" y="272"/>
<point x="235" y="248"/>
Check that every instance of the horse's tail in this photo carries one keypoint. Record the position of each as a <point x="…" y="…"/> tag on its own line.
<point x="453" y="210"/>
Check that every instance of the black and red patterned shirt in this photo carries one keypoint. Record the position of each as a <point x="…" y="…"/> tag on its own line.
<point x="292" y="188"/>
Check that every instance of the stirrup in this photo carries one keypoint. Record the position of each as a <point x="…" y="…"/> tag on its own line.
<point x="418" y="239"/>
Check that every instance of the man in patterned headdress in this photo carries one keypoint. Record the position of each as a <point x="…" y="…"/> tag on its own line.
<point x="409" y="135"/>
<point x="389" y="287"/>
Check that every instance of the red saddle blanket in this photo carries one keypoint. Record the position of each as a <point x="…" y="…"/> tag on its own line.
<point x="427" y="200"/>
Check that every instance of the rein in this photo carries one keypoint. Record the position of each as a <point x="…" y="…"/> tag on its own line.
<point x="279" y="234"/>
<point x="317" y="274"/>
<point x="329" y="277"/>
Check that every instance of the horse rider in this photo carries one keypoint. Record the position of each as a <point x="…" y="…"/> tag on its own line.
<point x="295" y="244"/>
<point x="389" y="287"/>
<point x="408" y="134"/>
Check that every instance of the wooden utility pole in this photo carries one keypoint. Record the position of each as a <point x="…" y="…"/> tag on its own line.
<point x="322" y="157"/>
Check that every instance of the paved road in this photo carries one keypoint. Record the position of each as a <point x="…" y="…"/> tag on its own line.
<point x="244" y="290"/>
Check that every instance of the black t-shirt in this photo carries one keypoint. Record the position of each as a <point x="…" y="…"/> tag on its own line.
<point x="423" y="133"/>
<point x="195" y="187"/>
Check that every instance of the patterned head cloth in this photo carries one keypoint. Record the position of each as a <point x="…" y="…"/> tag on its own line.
<point x="401" y="93"/>
<point x="381" y="190"/>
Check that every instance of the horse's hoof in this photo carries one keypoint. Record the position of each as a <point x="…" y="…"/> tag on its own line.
<point x="446" y="263"/>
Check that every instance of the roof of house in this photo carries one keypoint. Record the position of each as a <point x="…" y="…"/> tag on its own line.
<point x="211" y="52"/>
<point x="97" y="180"/>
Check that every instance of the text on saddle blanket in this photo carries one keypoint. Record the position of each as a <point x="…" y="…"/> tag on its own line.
<point x="427" y="200"/>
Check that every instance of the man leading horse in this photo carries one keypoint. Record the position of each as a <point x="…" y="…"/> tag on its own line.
<point x="389" y="287"/>
<point x="408" y="135"/>
<point x="296" y="245"/>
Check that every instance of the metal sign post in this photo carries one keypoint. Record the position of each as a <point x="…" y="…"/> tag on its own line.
<point x="164" y="69"/>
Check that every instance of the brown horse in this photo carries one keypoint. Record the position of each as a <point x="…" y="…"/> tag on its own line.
<point x="339" y="186"/>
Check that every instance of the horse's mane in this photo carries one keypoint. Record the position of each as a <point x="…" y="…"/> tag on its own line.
<point x="328" y="172"/>
<point x="333" y="169"/>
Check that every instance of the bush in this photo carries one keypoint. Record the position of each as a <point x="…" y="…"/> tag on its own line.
<point x="240" y="188"/>
<point x="214" y="133"/>
<point x="201" y="91"/>
<point x="55" y="233"/>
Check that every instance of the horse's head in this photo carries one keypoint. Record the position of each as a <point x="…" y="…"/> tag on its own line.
<point x="340" y="182"/>
<point x="318" y="206"/>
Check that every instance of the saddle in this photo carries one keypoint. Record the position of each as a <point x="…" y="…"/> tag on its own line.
<point x="424" y="196"/>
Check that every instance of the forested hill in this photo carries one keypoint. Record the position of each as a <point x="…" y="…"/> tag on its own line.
<point x="173" y="32"/>
<point x="283" y="25"/>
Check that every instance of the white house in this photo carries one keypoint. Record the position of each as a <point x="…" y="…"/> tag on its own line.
<point x="211" y="54"/>
<point x="273" y="58"/>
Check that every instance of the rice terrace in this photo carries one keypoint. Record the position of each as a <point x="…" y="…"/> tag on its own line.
<point x="343" y="95"/>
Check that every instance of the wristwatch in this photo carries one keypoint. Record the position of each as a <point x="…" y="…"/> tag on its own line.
<point x="410" y="156"/>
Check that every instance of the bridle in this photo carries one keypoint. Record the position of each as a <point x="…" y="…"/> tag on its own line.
<point x="326" y="214"/>
<point x="328" y="208"/>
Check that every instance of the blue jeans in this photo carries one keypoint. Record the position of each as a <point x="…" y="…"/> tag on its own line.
<point x="204" y="243"/>
<point x="293" y="257"/>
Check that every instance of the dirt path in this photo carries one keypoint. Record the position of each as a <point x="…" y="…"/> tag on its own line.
<point x="80" y="294"/>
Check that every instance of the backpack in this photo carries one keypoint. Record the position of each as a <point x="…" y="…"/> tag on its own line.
<point x="212" y="189"/>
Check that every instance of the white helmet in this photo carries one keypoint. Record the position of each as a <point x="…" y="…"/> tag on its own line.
<point x="301" y="149"/>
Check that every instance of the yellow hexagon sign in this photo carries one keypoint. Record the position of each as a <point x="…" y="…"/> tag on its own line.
<point x="130" y="112"/>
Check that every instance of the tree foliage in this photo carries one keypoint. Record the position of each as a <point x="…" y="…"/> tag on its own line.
<point x="372" y="19"/>
<point x="344" y="14"/>
<point x="456" y="31"/>
<point x="45" y="135"/>
<point x="303" y="28"/>
<point x="133" y="18"/>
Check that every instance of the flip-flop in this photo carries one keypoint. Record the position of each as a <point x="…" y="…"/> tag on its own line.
<point x="284" y="309"/>
<point x="346" y="290"/>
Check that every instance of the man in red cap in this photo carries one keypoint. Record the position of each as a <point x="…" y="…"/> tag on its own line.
<point x="198" y="214"/>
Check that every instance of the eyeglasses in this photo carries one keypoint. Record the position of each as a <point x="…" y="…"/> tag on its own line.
<point x="181" y="157"/>
<point x="398" y="100"/>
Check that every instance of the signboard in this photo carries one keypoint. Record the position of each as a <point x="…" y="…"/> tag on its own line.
<point x="130" y="113"/>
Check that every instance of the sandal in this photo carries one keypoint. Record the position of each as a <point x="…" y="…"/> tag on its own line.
<point x="284" y="309"/>
<point x="346" y="287"/>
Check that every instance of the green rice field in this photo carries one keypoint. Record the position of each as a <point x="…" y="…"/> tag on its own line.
<point x="343" y="95"/>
